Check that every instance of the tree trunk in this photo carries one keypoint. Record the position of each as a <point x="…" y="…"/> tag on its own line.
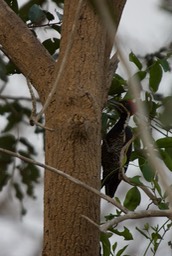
<point x="75" y="116"/>
<point x="74" y="146"/>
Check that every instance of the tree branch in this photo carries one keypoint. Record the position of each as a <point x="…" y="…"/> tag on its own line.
<point x="27" y="49"/>
<point x="136" y="215"/>
<point x="67" y="176"/>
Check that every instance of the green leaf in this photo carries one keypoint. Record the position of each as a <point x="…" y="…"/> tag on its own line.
<point x="136" y="154"/>
<point x="165" y="116"/>
<point x="3" y="71"/>
<point x="14" y="117"/>
<point x="165" y="65"/>
<point x="140" y="75"/>
<point x="13" y="4"/>
<point x="125" y="233"/>
<point x="52" y="45"/>
<point x="147" y="171"/>
<point x="119" y="253"/>
<point x="19" y="193"/>
<point x="11" y="68"/>
<point x="164" y="142"/>
<point x="132" y="199"/>
<point x="114" y="246"/>
<point x="4" y="177"/>
<point x="36" y="14"/>
<point x="163" y="206"/>
<point x="167" y="191"/>
<point x="142" y="233"/>
<point x="104" y="238"/>
<point x="24" y="9"/>
<point x="146" y="226"/>
<point x="8" y="142"/>
<point x="137" y="144"/>
<point x="121" y="80"/>
<point x="156" y="236"/>
<point x="136" y="180"/>
<point x="155" y="73"/>
<point x="13" y="120"/>
<point x="16" y="112"/>
<point x="49" y="16"/>
<point x="117" y="85"/>
<point x="166" y="158"/>
<point x="57" y="28"/>
<point x="157" y="187"/>
<point x="109" y="217"/>
<point x="30" y="174"/>
<point x="58" y="2"/>
<point x="30" y="148"/>
<point x="20" y="196"/>
<point x="104" y="123"/>
<point x="124" y="160"/>
<point x="153" y="109"/>
<point x="135" y="60"/>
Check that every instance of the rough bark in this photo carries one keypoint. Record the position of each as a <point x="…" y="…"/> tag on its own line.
<point x="75" y="116"/>
<point x="75" y="145"/>
<point x="25" y="50"/>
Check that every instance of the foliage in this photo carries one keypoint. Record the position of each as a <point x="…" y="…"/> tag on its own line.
<point x="149" y="70"/>
<point x="154" y="235"/>
<point x="150" y="75"/>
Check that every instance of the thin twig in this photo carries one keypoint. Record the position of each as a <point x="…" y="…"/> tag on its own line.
<point x="91" y="221"/>
<point x="33" y="99"/>
<point x="67" y="176"/>
<point x="4" y="97"/>
<point x="44" y="25"/>
<point x="127" y="179"/>
<point x="33" y="117"/>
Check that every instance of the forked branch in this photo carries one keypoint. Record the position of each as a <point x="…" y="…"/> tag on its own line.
<point x="136" y="215"/>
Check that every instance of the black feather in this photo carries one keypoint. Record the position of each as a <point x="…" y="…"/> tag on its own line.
<point x="113" y="143"/>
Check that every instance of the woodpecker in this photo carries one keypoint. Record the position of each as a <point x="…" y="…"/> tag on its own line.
<point x="112" y="145"/>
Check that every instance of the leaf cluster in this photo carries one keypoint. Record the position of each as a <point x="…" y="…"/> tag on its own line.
<point x="37" y="18"/>
<point x="150" y="76"/>
<point x="10" y="169"/>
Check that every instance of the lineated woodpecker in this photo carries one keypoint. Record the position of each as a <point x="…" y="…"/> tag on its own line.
<point x="113" y="143"/>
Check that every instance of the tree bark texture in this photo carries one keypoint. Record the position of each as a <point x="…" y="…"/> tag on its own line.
<point x="74" y="147"/>
<point x="75" y="116"/>
<point x="25" y="50"/>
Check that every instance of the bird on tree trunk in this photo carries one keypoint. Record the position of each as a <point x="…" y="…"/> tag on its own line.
<point x="113" y="144"/>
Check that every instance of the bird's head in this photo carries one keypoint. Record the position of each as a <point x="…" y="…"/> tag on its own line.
<point x="124" y="106"/>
